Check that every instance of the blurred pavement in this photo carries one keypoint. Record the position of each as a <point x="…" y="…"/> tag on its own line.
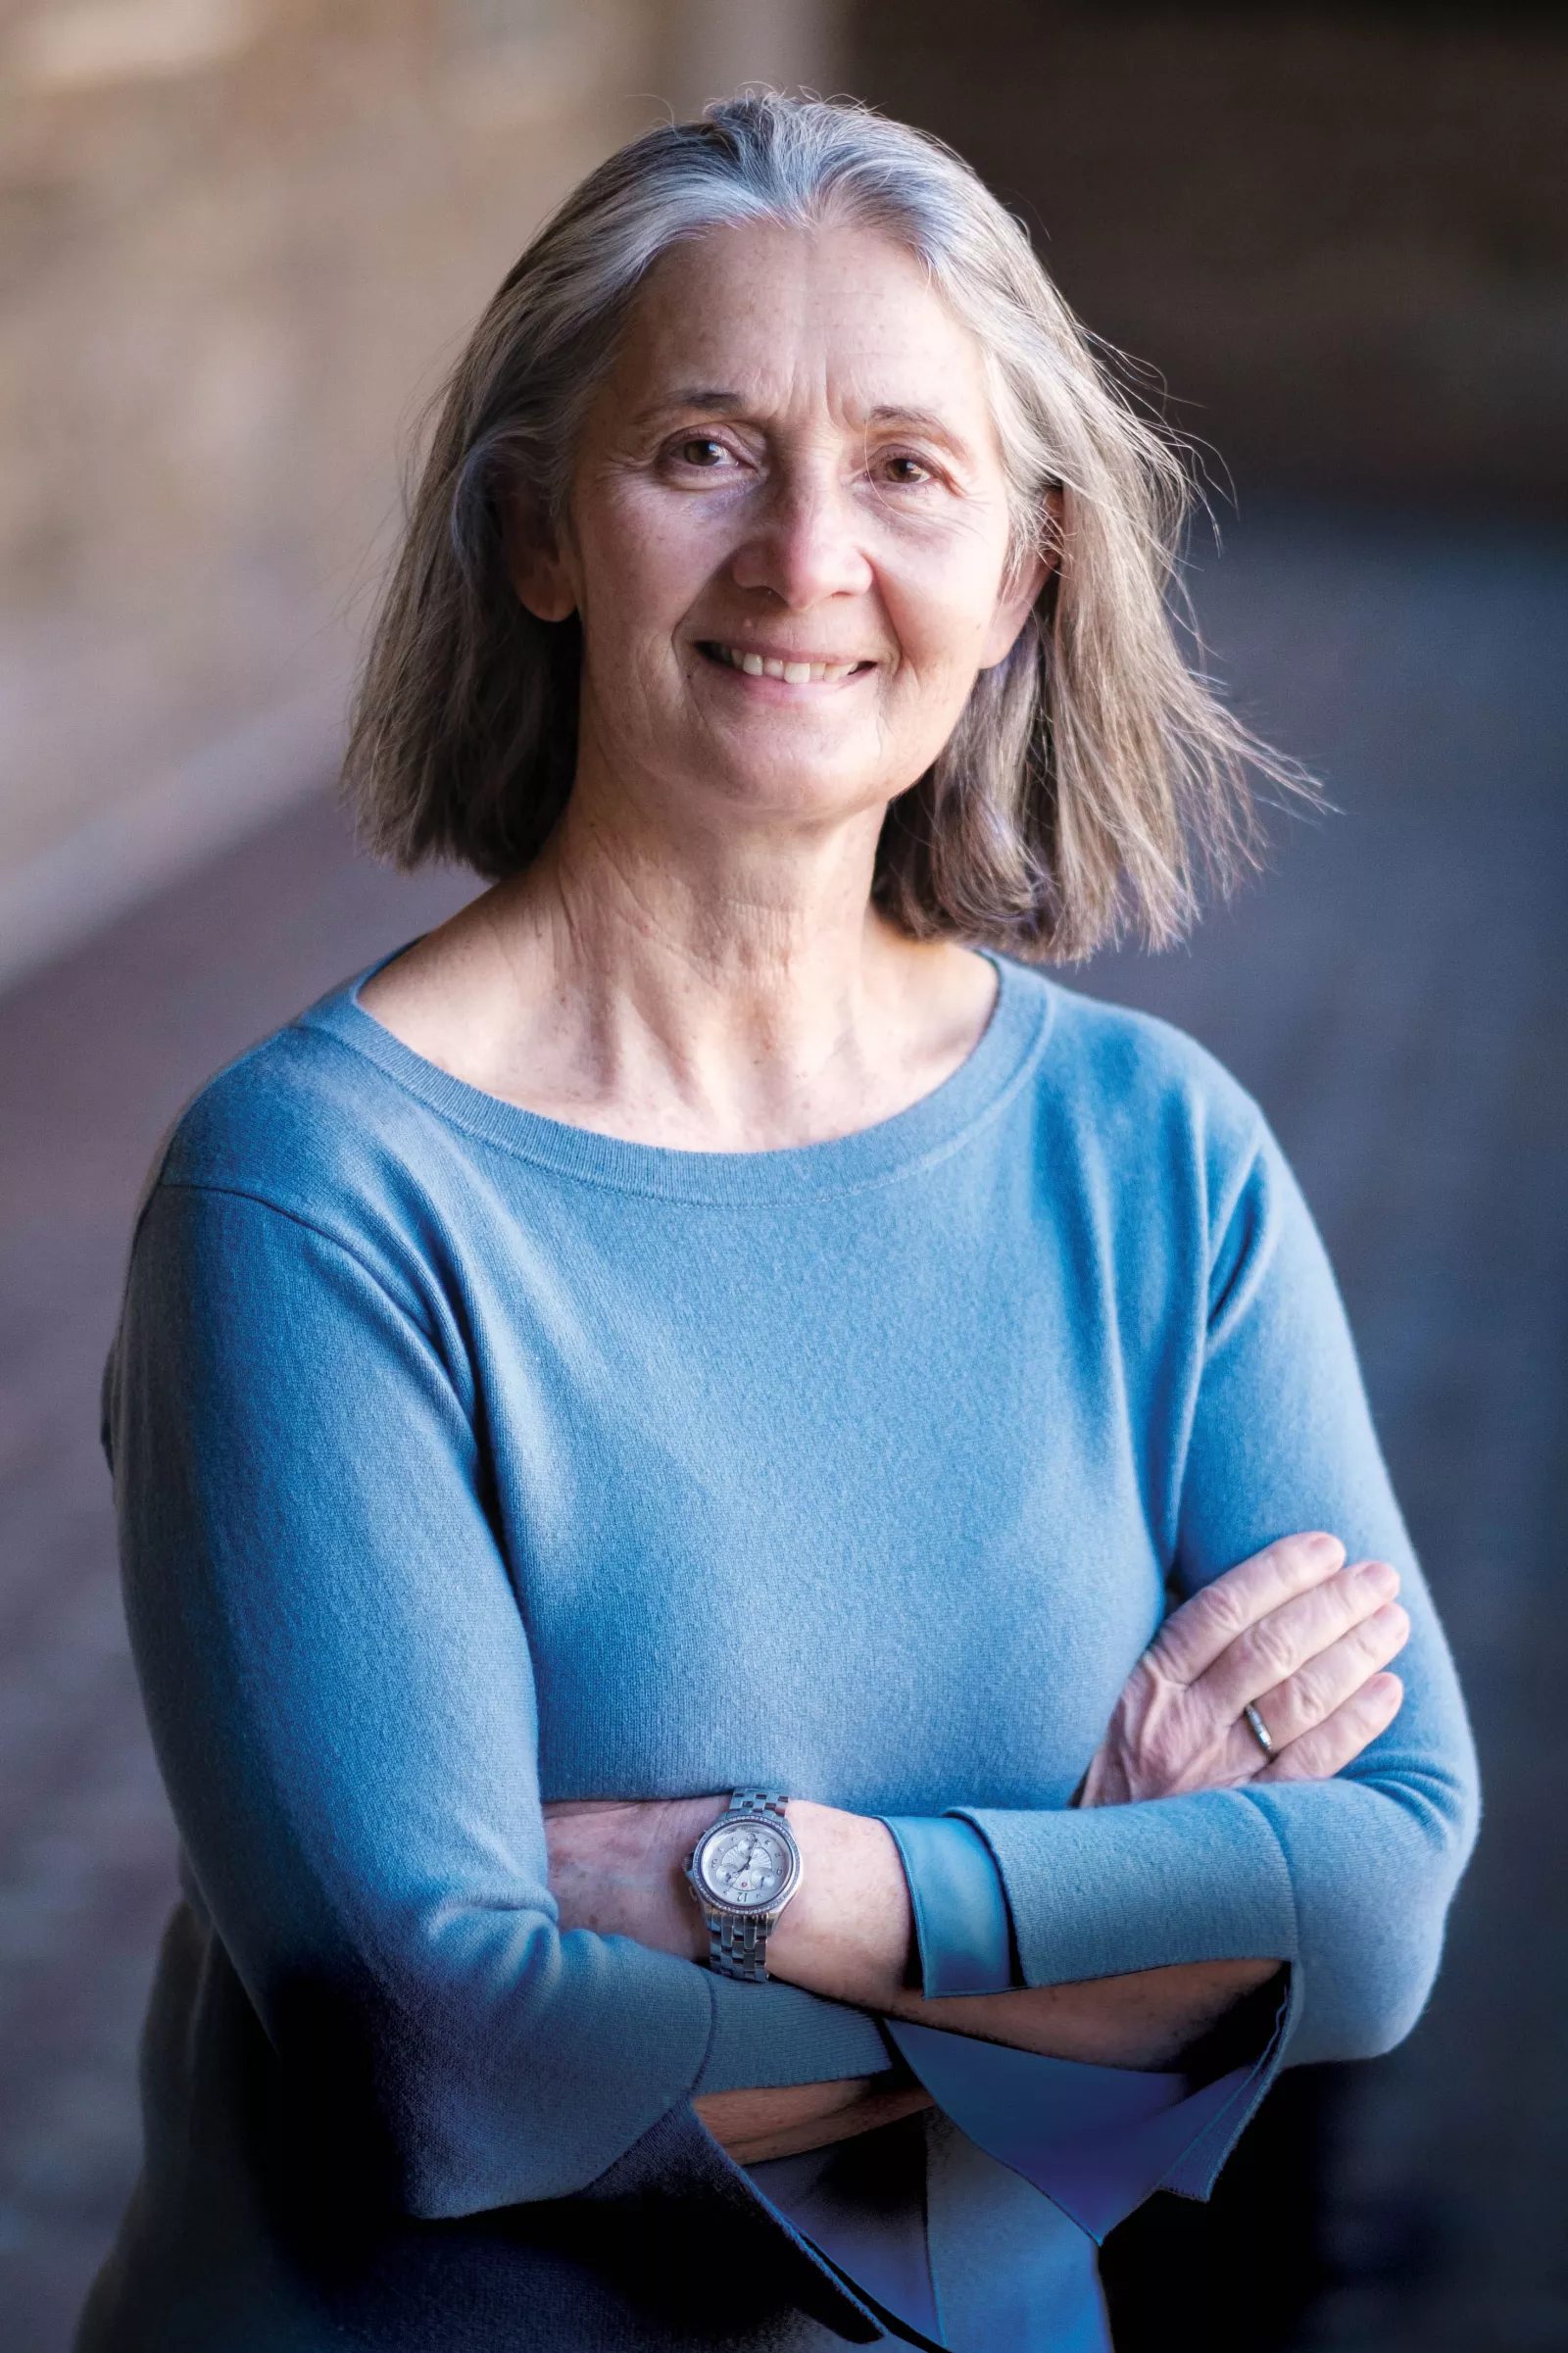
<point x="1394" y="990"/>
<point x="96" y="1057"/>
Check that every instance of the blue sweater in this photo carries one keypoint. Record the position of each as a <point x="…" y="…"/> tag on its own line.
<point x="465" y="1460"/>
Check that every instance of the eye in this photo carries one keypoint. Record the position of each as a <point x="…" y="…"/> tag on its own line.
<point x="905" y="471"/>
<point x="703" y="452"/>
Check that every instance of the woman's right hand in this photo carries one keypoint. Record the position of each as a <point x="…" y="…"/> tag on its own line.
<point x="1294" y="1632"/>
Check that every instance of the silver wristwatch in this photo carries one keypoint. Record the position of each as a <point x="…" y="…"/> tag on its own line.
<point x="743" y="1872"/>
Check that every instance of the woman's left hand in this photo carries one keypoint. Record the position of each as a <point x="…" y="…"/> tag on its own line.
<point x="1294" y="1632"/>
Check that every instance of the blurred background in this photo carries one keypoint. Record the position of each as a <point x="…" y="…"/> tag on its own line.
<point x="239" y="241"/>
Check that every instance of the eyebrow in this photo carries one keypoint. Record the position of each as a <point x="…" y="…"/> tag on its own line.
<point x="712" y="397"/>
<point x="697" y="396"/>
<point x="921" y="420"/>
<point x="895" y="414"/>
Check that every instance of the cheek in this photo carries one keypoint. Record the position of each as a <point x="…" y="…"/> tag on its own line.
<point x="941" y="596"/>
<point x="943" y="628"/>
<point x="640" y="573"/>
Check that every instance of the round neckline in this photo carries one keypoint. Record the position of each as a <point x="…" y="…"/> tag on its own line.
<point x="930" y="1128"/>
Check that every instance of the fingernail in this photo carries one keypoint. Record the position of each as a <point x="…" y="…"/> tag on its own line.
<point x="1323" y="1548"/>
<point x="1379" y="1578"/>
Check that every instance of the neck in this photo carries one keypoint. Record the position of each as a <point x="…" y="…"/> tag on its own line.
<point x="731" y="989"/>
<point x="765" y="938"/>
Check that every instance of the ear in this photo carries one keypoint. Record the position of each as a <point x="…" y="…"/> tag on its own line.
<point x="1021" y="588"/>
<point x="535" y="564"/>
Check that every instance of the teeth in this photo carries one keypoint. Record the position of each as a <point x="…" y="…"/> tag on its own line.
<point x="794" y="673"/>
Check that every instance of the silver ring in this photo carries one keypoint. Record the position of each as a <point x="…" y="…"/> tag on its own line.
<point x="1258" y="1729"/>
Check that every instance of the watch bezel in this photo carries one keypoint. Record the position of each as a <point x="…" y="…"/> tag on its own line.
<point x="767" y="1907"/>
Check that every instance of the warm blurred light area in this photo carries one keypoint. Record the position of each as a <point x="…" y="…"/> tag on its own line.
<point x="239" y="233"/>
<point x="239" y="241"/>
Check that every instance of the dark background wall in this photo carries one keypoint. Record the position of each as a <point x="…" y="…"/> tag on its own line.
<point x="1338" y="234"/>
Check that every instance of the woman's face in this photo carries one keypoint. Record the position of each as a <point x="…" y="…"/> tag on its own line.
<point x="787" y="535"/>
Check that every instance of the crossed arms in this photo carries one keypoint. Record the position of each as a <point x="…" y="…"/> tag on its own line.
<point x="1295" y="1630"/>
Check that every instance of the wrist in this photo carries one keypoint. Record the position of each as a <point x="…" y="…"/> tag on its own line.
<point x="618" y="1868"/>
<point x="690" y="1817"/>
<point x="847" y="1934"/>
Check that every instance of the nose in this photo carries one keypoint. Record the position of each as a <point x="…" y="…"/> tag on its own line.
<point x="806" y="545"/>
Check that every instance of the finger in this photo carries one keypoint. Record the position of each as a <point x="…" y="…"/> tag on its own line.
<point x="1334" y="1744"/>
<point x="1275" y="1646"/>
<point x="1197" y="1634"/>
<point x="1311" y="1695"/>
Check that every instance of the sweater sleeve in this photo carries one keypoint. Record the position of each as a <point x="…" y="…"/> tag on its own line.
<point x="963" y="1934"/>
<point x="1350" y="1880"/>
<point x="1096" y="2140"/>
<point x="339" y="1681"/>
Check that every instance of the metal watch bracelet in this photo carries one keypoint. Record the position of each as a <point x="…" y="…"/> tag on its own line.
<point x="737" y="1943"/>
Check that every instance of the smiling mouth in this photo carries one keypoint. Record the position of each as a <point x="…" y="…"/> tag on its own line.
<point x="769" y="665"/>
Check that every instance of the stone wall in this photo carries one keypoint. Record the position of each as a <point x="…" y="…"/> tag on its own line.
<point x="239" y="239"/>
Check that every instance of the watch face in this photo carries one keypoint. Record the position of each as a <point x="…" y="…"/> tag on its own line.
<point x="747" y="1865"/>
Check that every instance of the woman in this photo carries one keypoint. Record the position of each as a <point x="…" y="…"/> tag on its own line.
<point x="760" y="1571"/>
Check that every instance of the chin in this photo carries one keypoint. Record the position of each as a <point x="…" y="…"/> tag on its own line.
<point x="768" y="773"/>
<point x="798" y="792"/>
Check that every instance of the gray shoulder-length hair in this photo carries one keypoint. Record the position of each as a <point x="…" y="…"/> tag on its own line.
<point x="1092" y="775"/>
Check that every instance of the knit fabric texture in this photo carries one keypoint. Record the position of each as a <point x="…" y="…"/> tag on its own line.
<point x="465" y="1460"/>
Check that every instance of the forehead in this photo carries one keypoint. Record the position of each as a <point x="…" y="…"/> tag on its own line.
<point x="787" y="318"/>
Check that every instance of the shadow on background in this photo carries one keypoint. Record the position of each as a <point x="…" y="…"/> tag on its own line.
<point x="1341" y="233"/>
<point x="1338" y="234"/>
<point x="1395" y="993"/>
